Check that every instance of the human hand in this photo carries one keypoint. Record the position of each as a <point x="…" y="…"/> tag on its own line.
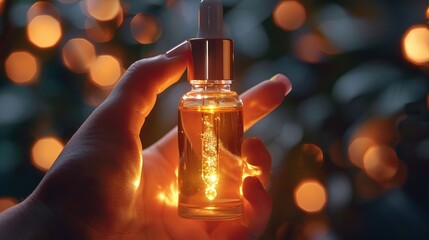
<point x="103" y="187"/>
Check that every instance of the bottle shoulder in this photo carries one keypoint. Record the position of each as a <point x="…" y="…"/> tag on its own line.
<point x="211" y="98"/>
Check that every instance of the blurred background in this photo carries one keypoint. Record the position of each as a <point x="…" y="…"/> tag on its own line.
<point x="350" y="144"/>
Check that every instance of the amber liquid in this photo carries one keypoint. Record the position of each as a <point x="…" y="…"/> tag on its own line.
<point x="210" y="170"/>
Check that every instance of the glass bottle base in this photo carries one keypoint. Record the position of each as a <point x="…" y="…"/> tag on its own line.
<point x="220" y="212"/>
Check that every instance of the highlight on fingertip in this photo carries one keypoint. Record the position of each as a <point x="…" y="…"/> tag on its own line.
<point x="283" y="79"/>
<point x="177" y="50"/>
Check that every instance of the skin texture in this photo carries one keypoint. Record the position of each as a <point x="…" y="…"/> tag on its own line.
<point x="103" y="187"/>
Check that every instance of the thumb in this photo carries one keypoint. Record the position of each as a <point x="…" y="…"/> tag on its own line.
<point x="135" y="94"/>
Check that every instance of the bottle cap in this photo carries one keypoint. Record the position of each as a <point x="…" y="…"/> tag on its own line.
<point x="212" y="55"/>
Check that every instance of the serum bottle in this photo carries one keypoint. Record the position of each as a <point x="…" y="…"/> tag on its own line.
<point x="210" y="126"/>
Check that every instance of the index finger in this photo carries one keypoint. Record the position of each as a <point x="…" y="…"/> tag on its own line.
<point x="262" y="99"/>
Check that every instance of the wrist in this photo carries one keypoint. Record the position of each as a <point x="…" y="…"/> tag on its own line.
<point x="31" y="220"/>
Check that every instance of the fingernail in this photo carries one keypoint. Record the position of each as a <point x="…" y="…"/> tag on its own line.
<point x="284" y="80"/>
<point x="178" y="50"/>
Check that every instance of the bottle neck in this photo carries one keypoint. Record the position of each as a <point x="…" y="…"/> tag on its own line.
<point x="211" y="85"/>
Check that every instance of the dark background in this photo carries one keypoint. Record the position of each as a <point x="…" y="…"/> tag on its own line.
<point x="355" y="124"/>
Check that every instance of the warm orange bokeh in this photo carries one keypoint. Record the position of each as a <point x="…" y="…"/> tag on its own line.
<point x="78" y="55"/>
<point x="21" y="67"/>
<point x="427" y="13"/>
<point x="1" y="6"/>
<point x="312" y="150"/>
<point x="415" y="44"/>
<point x="289" y="15"/>
<point x="99" y="31"/>
<point x="45" y="151"/>
<point x="41" y="8"/>
<point x="68" y="1"/>
<point x="310" y="196"/>
<point x="44" y="31"/>
<point x="145" y="28"/>
<point x="316" y="229"/>
<point x="307" y="48"/>
<point x="105" y="71"/>
<point x="103" y="10"/>
<point x="357" y="150"/>
<point x="380" y="163"/>
<point x="7" y="202"/>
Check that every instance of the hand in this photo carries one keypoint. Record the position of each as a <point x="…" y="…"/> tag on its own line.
<point x="103" y="187"/>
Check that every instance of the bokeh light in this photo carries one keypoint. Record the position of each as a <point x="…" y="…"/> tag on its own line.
<point x="313" y="151"/>
<point x="78" y="55"/>
<point x="45" y="151"/>
<point x="103" y="10"/>
<point x="427" y="13"/>
<point x="7" y="202"/>
<point x="307" y="48"/>
<point x="41" y="8"/>
<point x="99" y="31"/>
<point x="105" y="71"/>
<point x="68" y="1"/>
<point x="380" y="162"/>
<point x="22" y="67"/>
<point x="335" y="173"/>
<point x="310" y="196"/>
<point x="145" y="28"/>
<point x="44" y="31"/>
<point x="357" y="149"/>
<point x="316" y="229"/>
<point x="289" y="15"/>
<point x="415" y="44"/>
<point x="1" y="6"/>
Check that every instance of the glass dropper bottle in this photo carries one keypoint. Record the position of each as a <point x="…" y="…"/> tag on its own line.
<point x="210" y="126"/>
